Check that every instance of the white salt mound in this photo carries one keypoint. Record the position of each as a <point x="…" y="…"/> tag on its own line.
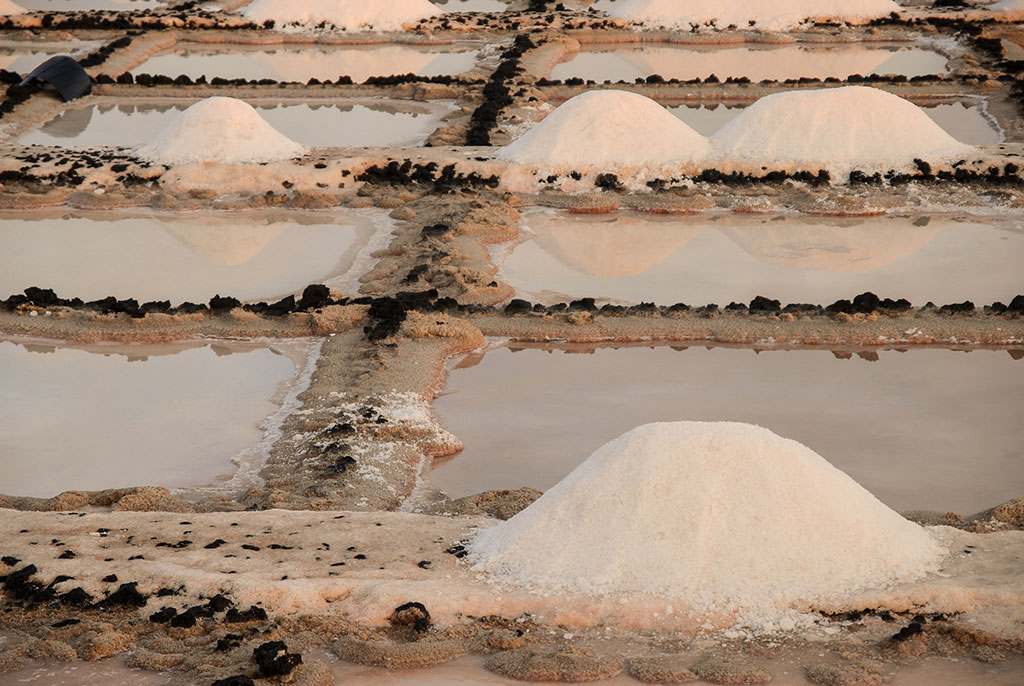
<point x="719" y="515"/>
<point x="220" y="130"/>
<point x="838" y="129"/>
<point x="351" y="15"/>
<point x="9" y="9"/>
<point x="770" y="15"/>
<point x="607" y="129"/>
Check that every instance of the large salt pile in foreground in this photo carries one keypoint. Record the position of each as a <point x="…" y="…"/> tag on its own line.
<point x="220" y="130"/>
<point x="604" y="130"/>
<point x="351" y="15"/>
<point x="719" y="515"/>
<point x="770" y="15"/>
<point x="838" y="129"/>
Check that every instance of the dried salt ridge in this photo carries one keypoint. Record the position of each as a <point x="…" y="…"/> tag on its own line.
<point x="10" y="9"/>
<point x="837" y="129"/>
<point x="607" y="129"/>
<point x="717" y="516"/>
<point x="349" y="15"/>
<point x="769" y="15"/>
<point x="222" y="130"/>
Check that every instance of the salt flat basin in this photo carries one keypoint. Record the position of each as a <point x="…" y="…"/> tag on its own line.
<point x="179" y="257"/>
<point x="79" y="5"/>
<point x="22" y="57"/>
<point x="318" y="124"/>
<point x="471" y="5"/>
<point x="930" y="429"/>
<point x="967" y="123"/>
<point x="306" y="62"/>
<point x="631" y="257"/>
<point x="757" y="63"/>
<point x="106" y="416"/>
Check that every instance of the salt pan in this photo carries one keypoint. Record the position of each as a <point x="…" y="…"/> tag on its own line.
<point x="838" y="129"/>
<point x="720" y="515"/>
<point x="351" y="15"/>
<point x="771" y="15"/>
<point x="220" y="130"/>
<point x="607" y="128"/>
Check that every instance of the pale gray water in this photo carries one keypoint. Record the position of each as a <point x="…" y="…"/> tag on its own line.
<point x="471" y="5"/>
<point x="626" y="63"/>
<point x="178" y="257"/>
<point x="303" y="63"/>
<point x="719" y="258"/>
<point x="78" y="5"/>
<point x="108" y="416"/>
<point x="319" y="124"/>
<point x="924" y="429"/>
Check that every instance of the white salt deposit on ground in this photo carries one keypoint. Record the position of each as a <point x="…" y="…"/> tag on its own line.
<point x="838" y="129"/>
<point x="222" y="130"/>
<point x="350" y="15"/>
<point x="9" y="9"/>
<point x="606" y="129"/>
<point x="770" y="15"/>
<point x="719" y="515"/>
<point x="1008" y="6"/>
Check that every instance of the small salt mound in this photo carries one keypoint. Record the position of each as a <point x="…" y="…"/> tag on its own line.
<point x="351" y="15"/>
<point x="838" y="129"/>
<point x="220" y="130"/>
<point x="770" y="15"/>
<point x="9" y="9"/>
<point x="607" y="129"/>
<point x="719" y="515"/>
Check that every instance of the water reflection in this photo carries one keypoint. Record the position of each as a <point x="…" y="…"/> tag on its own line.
<point x="934" y="429"/>
<point x="631" y="257"/>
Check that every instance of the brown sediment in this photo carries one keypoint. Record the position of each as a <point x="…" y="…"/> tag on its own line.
<point x="383" y="653"/>
<point x="568" y="664"/>
<point x="664" y="669"/>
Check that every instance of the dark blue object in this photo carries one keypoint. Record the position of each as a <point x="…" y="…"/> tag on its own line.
<point x="64" y="74"/>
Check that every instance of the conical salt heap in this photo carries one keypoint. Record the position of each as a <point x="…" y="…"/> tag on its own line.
<point x="222" y="130"/>
<point x="717" y="515"/>
<point x="351" y="15"/>
<point x="838" y="129"/>
<point x="605" y="130"/>
<point x="770" y="15"/>
<point x="10" y="9"/>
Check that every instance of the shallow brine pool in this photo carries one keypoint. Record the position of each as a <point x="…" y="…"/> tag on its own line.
<point x="471" y="5"/>
<point x="186" y="257"/>
<point x="757" y="63"/>
<point x="924" y="429"/>
<point x="719" y="258"/>
<point x="80" y="5"/>
<point x="106" y="416"/>
<point x="968" y="123"/>
<point x="21" y="57"/>
<point x="318" y="124"/>
<point x="303" y="63"/>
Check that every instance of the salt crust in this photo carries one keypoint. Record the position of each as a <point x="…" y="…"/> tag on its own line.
<point x="838" y="129"/>
<point x="770" y="15"/>
<point x="9" y="9"/>
<point x="223" y="130"/>
<point x="721" y="516"/>
<point x="351" y="15"/>
<point x="603" y="128"/>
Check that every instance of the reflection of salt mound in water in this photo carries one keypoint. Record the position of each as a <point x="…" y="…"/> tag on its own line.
<point x="773" y="15"/>
<point x="609" y="247"/>
<point x="852" y="247"/>
<point x="9" y="9"/>
<point x="225" y="244"/>
<point x="757" y="64"/>
<point x="294" y="65"/>
<point x="393" y="15"/>
<point x="838" y="129"/>
<point x="607" y="129"/>
<point x="717" y="514"/>
<point x="219" y="130"/>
